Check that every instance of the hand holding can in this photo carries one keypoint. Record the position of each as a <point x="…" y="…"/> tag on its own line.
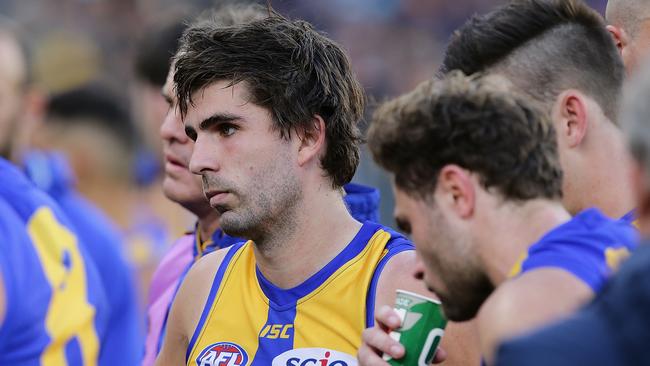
<point x="422" y="328"/>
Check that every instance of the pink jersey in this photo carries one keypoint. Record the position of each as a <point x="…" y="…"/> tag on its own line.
<point x="164" y="284"/>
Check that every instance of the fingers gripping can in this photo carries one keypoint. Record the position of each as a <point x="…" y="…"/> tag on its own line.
<point x="422" y="327"/>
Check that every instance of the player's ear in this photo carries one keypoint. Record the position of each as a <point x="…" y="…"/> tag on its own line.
<point x="455" y="189"/>
<point x="311" y="140"/>
<point x="620" y="37"/>
<point x="570" y="118"/>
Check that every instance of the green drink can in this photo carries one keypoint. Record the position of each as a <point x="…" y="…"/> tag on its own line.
<point x="422" y="327"/>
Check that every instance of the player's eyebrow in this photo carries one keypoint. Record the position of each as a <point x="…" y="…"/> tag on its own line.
<point x="166" y="96"/>
<point x="218" y="118"/>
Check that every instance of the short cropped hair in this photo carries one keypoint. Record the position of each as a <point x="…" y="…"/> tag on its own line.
<point x="634" y="116"/>
<point x="474" y="123"/>
<point x="96" y="106"/>
<point x="289" y="69"/>
<point x="543" y="47"/>
<point x="628" y="14"/>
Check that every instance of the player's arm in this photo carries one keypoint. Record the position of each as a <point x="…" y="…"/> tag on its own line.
<point x="187" y="308"/>
<point x="534" y="299"/>
<point x="460" y="343"/>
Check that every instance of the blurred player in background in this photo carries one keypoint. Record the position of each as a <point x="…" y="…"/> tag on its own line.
<point x="53" y="308"/>
<point x="91" y="127"/>
<point x="152" y="60"/>
<point x="19" y="113"/>
<point x="614" y="328"/>
<point x="275" y="139"/>
<point x="560" y="54"/>
<point x="478" y="184"/>
<point x="629" y="24"/>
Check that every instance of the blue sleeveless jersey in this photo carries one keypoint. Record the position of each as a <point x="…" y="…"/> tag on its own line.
<point x="590" y="246"/>
<point x="124" y="342"/>
<point x="249" y="321"/>
<point x="56" y="310"/>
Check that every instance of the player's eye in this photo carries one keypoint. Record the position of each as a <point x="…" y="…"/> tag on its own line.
<point x="191" y="133"/>
<point x="403" y="225"/>
<point x="169" y="101"/>
<point x="227" y="129"/>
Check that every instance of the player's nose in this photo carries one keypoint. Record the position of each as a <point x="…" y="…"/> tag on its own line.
<point x="203" y="158"/>
<point x="172" y="127"/>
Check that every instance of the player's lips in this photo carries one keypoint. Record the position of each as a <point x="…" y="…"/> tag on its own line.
<point x="174" y="165"/>
<point x="215" y="196"/>
<point x="171" y="159"/>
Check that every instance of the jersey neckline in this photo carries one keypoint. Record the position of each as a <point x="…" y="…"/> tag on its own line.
<point x="287" y="298"/>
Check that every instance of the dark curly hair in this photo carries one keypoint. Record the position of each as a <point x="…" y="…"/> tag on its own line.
<point x="288" y="68"/>
<point x="474" y="123"/>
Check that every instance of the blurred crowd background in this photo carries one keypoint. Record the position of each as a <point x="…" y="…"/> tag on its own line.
<point x="393" y="44"/>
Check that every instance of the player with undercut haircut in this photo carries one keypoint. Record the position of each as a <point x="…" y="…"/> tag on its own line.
<point x="559" y="53"/>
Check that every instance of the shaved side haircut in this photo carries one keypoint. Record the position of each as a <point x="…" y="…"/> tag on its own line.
<point x="544" y="47"/>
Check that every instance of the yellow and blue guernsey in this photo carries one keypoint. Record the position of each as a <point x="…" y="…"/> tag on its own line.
<point x="55" y="303"/>
<point x="249" y="321"/>
<point x="100" y="238"/>
<point x="590" y="246"/>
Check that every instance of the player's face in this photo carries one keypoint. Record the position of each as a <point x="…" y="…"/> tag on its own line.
<point x="11" y="94"/>
<point x="448" y="263"/>
<point x="179" y="184"/>
<point x="249" y="172"/>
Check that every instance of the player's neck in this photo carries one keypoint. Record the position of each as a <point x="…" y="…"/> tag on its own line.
<point x="208" y="223"/>
<point x="607" y="180"/>
<point x="295" y="251"/>
<point x="611" y="191"/>
<point x="515" y="229"/>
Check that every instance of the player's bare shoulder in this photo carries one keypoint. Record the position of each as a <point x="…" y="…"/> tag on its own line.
<point x="195" y="289"/>
<point x="187" y="307"/>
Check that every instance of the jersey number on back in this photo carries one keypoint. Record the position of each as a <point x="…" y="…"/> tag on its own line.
<point x="69" y="315"/>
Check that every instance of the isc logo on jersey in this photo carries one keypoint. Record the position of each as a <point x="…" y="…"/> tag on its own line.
<point x="222" y="354"/>
<point x="314" y="357"/>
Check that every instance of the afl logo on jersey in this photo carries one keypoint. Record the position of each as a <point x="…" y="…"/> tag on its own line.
<point x="222" y="354"/>
<point x="314" y="357"/>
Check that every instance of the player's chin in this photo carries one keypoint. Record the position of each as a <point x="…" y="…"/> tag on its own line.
<point x="460" y="311"/>
<point x="222" y="208"/>
<point x="234" y="224"/>
<point x="175" y="190"/>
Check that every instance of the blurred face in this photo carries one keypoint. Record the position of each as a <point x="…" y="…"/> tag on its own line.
<point x="250" y="174"/>
<point x="448" y="262"/>
<point x="179" y="184"/>
<point x="12" y="73"/>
